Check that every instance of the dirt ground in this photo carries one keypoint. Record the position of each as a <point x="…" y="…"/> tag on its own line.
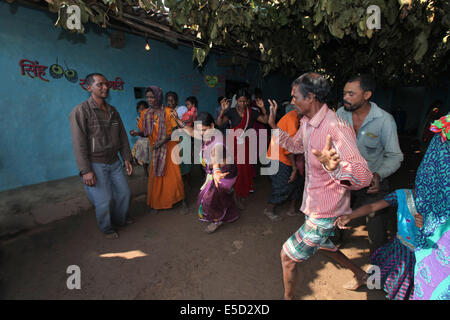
<point x="169" y="256"/>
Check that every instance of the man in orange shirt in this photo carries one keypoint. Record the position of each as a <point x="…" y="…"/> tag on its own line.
<point x="286" y="183"/>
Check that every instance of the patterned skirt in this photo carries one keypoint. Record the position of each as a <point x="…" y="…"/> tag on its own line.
<point x="396" y="262"/>
<point x="142" y="151"/>
<point x="216" y="204"/>
<point x="281" y="189"/>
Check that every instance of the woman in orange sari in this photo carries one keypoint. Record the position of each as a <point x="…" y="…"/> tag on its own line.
<point x="165" y="186"/>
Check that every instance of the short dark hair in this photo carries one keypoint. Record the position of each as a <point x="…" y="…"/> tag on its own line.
<point x="173" y="94"/>
<point x="314" y="83"/>
<point x="193" y="100"/>
<point x="206" y="118"/>
<point x="366" y="82"/>
<point x="142" y="103"/>
<point x="219" y="99"/>
<point x="258" y="93"/>
<point x="89" y="80"/>
<point x="243" y="92"/>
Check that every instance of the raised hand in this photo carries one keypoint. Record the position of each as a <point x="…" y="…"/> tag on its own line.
<point x="225" y="104"/>
<point x="273" y="113"/>
<point x="328" y="156"/>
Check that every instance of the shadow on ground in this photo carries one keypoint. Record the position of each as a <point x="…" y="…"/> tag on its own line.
<point x="169" y="256"/>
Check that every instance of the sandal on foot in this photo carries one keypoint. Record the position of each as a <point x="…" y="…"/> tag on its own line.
<point x="112" y="235"/>
<point x="212" y="227"/>
<point x="293" y="213"/>
<point x="355" y="283"/>
<point x="272" y="216"/>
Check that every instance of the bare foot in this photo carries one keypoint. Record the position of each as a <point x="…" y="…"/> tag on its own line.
<point x="356" y="283"/>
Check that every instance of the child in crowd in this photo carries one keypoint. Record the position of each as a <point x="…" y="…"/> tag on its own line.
<point x="141" y="151"/>
<point x="396" y="259"/>
<point x="191" y="114"/>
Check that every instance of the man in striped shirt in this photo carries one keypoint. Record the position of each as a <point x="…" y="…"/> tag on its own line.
<point x="333" y="167"/>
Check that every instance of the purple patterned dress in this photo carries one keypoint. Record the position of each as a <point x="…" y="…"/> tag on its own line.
<point x="216" y="204"/>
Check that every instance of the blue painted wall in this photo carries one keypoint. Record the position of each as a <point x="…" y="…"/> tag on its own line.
<point x="35" y="142"/>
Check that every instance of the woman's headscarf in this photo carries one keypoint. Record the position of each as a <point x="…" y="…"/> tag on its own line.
<point x="158" y="155"/>
<point x="157" y="92"/>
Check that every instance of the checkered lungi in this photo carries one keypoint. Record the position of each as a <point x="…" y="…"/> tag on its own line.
<point x="314" y="234"/>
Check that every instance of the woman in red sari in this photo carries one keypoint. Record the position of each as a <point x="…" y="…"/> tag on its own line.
<point x="242" y="117"/>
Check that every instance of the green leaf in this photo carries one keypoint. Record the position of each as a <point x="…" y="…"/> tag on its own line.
<point x="391" y="12"/>
<point x="214" y="4"/>
<point x="214" y="32"/>
<point x="283" y="20"/>
<point x="335" y="30"/>
<point x="421" y="45"/>
<point x="109" y="2"/>
<point x="330" y="6"/>
<point x="318" y="17"/>
<point x="200" y="55"/>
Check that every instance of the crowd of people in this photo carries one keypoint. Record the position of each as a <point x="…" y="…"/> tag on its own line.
<point x="337" y="163"/>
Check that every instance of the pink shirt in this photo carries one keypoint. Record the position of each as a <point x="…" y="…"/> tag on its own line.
<point x="190" y="114"/>
<point x="327" y="193"/>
